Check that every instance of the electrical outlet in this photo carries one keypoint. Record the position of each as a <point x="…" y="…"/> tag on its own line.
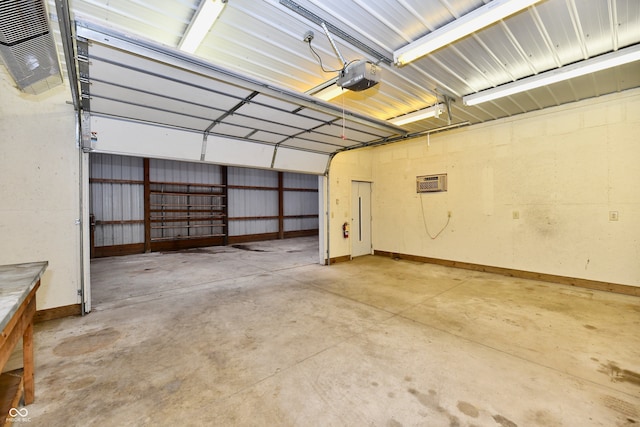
<point x="516" y="215"/>
<point x="613" y="215"/>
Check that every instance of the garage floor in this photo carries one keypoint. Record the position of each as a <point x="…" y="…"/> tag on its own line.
<point x="262" y="335"/>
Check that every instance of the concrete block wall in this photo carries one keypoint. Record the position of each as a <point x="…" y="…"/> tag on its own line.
<point x="531" y="192"/>
<point x="39" y="188"/>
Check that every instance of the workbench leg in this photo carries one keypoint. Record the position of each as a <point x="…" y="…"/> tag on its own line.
<point x="27" y="349"/>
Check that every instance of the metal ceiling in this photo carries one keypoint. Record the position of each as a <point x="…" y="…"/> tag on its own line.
<point x="263" y="41"/>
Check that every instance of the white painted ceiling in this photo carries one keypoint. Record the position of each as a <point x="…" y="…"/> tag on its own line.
<point x="260" y="42"/>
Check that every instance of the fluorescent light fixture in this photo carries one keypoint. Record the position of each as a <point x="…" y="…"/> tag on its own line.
<point x="329" y="92"/>
<point x="326" y="90"/>
<point x="598" y="63"/>
<point x="201" y="23"/>
<point x="471" y="22"/>
<point x="425" y="113"/>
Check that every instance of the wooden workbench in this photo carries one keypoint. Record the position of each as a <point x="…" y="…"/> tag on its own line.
<point x="18" y="286"/>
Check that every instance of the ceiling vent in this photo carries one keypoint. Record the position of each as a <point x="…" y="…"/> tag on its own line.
<point x="431" y="183"/>
<point x="27" y="46"/>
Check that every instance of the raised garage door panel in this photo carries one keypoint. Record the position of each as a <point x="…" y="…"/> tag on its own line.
<point x="235" y="152"/>
<point x="106" y="60"/>
<point x="305" y="144"/>
<point x="138" y="139"/>
<point x="148" y="114"/>
<point x="296" y="160"/>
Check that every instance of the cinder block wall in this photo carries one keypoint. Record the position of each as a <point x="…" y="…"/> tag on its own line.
<point x="532" y="192"/>
<point x="39" y="188"/>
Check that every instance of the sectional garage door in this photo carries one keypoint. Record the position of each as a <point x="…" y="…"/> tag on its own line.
<point x="148" y="100"/>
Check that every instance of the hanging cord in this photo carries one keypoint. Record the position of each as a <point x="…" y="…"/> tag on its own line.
<point x="424" y="220"/>
<point x="329" y="70"/>
<point x="343" y="136"/>
<point x="320" y="61"/>
<point x="344" y="119"/>
<point x="341" y="71"/>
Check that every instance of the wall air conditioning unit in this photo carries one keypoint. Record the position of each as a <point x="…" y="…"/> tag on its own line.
<point x="27" y="46"/>
<point x="431" y="183"/>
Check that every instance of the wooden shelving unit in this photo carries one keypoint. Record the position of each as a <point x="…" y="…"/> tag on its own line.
<point x="181" y="211"/>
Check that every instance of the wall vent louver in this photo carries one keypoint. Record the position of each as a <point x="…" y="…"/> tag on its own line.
<point x="431" y="183"/>
<point x="27" y="46"/>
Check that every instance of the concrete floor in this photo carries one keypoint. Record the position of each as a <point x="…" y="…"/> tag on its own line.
<point x="264" y="336"/>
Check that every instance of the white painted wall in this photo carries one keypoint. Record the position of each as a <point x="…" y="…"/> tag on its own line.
<point x="39" y="188"/>
<point x="348" y="166"/>
<point x="562" y="170"/>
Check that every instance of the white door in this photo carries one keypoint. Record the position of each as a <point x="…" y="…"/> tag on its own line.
<point x="360" y="231"/>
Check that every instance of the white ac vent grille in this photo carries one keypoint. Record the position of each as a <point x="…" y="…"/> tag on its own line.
<point x="27" y="46"/>
<point x="431" y="183"/>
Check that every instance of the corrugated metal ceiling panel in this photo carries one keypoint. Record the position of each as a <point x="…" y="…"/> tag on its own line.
<point x="558" y="23"/>
<point x="163" y="21"/>
<point x="627" y="21"/>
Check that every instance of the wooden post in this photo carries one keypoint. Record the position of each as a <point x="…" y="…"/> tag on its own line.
<point x="147" y="207"/>
<point x="27" y="355"/>
<point x="280" y="205"/>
